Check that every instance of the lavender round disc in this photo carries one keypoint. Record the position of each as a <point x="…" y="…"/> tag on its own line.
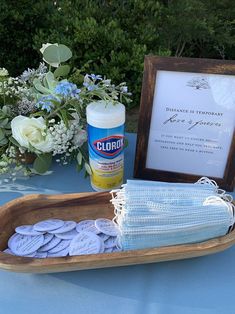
<point x="48" y="225"/>
<point x="47" y="238"/>
<point x="31" y="255"/>
<point x="62" y="253"/>
<point x="50" y="245"/>
<point x="106" y="226"/>
<point x="25" y="245"/>
<point x="111" y="242"/>
<point x="85" y="243"/>
<point x="68" y="226"/>
<point x="87" y="225"/>
<point x="103" y="236"/>
<point x="40" y="255"/>
<point x="102" y="246"/>
<point x="67" y="235"/>
<point x="8" y="251"/>
<point x="27" y="230"/>
<point x="61" y="246"/>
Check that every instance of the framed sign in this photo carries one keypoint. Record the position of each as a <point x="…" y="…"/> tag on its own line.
<point x="187" y="121"/>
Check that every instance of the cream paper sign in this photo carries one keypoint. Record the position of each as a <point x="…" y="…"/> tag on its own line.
<point x="192" y="123"/>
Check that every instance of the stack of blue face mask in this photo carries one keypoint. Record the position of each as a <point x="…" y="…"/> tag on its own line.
<point x="154" y="214"/>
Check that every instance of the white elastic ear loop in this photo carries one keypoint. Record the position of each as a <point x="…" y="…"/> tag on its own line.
<point x="232" y="207"/>
<point x="221" y="192"/>
<point x="118" y="202"/>
<point x="117" y="213"/>
<point x="114" y="192"/>
<point x="119" y="197"/>
<point x="216" y="200"/>
<point x="205" y="180"/>
<point x="227" y="197"/>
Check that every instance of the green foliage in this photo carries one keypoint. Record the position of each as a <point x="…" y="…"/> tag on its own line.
<point x="62" y="71"/>
<point x="111" y="37"/>
<point x="5" y="127"/>
<point x="19" y="22"/>
<point x="56" y="54"/>
<point x="47" y="86"/>
<point x="42" y="163"/>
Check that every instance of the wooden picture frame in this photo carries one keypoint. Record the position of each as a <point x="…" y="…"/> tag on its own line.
<point x="211" y="82"/>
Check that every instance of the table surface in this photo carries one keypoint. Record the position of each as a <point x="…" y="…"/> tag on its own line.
<point x="198" y="285"/>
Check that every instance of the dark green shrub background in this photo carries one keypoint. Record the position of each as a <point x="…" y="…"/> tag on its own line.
<point x="112" y="37"/>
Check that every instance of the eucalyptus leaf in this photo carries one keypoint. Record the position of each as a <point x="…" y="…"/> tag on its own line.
<point x="3" y="122"/>
<point x="79" y="158"/>
<point x="62" y="71"/>
<point x="51" y="82"/>
<point x="5" y="110"/>
<point x="47" y="173"/>
<point x="13" y="141"/>
<point x="44" y="82"/>
<point x="37" y="114"/>
<point x="39" y="87"/>
<point x="55" y="54"/>
<point x="36" y="81"/>
<point x="2" y="135"/>
<point x="3" y="142"/>
<point x="42" y="89"/>
<point x="64" y="117"/>
<point x="8" y="132"/>
<point x="88" y="168"/>
<point x="42" y="163"/>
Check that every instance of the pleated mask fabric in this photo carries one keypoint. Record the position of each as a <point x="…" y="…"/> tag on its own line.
<point x="154" y="214"/>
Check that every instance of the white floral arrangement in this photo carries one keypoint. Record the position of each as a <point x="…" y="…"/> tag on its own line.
<point x="42" y="114"/>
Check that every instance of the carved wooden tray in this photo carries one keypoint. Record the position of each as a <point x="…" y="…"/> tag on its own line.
<point x="33" y="208"/>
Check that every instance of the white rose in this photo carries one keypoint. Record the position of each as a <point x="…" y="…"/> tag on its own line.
<point x="44" y="46"/>
<point x="31" y="131"/>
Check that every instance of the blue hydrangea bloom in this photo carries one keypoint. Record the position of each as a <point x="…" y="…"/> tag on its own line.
<point x="67" y="89"/>
<point x="46" y="102"/>
<point x="124" y="89"/>
<point x="86" y="84"/>
<point x="90" y="86"/>
<point x="95" y="77"/>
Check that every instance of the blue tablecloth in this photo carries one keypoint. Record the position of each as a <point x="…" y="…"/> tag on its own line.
<point x="200" y="285"/>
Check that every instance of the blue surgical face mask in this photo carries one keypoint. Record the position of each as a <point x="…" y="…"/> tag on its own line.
<point x="139" y="239"/>
<point x="202" y="184"/>
<point x="165" y="192"/>
<point x="153" y="214"/>
<point x="177" y="216"/>
<point x="135" y="194"/>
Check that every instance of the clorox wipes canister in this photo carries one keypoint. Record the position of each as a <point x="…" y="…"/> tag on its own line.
<point x="106" y="141"/>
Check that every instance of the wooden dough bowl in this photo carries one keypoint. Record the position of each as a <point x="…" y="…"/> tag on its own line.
<point x="33" y="208"/>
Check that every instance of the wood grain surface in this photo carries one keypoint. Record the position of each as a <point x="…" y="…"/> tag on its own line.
<point x="33" y="208"/>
